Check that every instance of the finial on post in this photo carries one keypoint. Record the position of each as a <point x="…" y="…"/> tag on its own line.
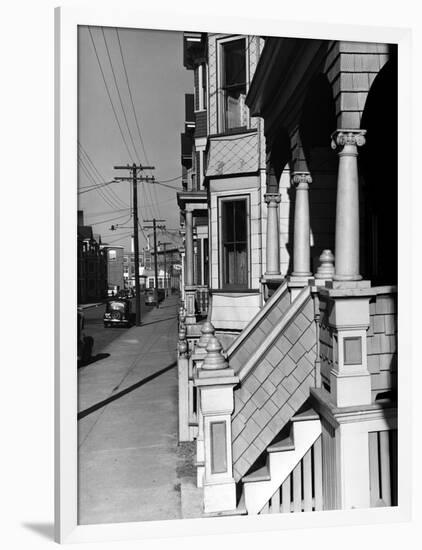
<point x="214" y="359"/>
<point x="326" y="267"/>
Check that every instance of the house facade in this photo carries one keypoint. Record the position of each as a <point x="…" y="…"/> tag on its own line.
<point x="92" y="264"/>
<point x="290" y="386"/>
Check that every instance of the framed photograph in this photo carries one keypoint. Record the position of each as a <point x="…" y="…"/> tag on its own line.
<point x="231" y="256"/>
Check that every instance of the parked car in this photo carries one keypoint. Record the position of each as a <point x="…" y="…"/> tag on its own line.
<point x="117" y="313"/>
<point x="85" y="343"/>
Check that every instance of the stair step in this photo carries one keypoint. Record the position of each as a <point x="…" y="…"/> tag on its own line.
<point x="262" y="474"/>
<point x="286" y="444"/>
<point x="308" y="414"/>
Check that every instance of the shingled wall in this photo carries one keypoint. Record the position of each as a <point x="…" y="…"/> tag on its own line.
<point x="382" y="343"/>
<point x="259" y="329"/>
<point x="275" y="388"/>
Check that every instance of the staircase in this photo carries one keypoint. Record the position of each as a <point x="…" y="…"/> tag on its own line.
<point x="291" y="480"/>
<point x="275" y="378"/>
<point x="257" y="329"/>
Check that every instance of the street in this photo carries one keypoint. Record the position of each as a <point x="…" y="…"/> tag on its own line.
<point x="131" y="467"/>
<point x="94" y="325"/>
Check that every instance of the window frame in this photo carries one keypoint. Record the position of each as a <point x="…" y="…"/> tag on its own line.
<point x="246" y="197"/>
<point x="221" y="94"/>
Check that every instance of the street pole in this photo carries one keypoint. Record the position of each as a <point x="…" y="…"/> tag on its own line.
<point x="134" y="179"/>
<point x="165" y="269"/>
<point x="154" y="228"/>
<point x="136" y="245"/>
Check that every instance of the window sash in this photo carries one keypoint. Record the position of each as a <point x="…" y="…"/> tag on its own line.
<point x="234" y="243"/>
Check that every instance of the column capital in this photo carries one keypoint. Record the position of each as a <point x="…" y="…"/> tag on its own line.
<point x="340" y="138"/>
<point x="301" y="178"/>
<point x="272" y="198"/>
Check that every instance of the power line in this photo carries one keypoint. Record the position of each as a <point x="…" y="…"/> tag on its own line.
<point x="89" y="176"/>
<point x="113" y="195"/>
<point x="171" y="179"/>
<point x="109" y="95"/>
<point x="153" y="200"/>
<point x="102" y="212"/>
<point x="102" y="192"/>
<point x="131" y="98"/>
<point x="111" y="220"/>
<point x="118" y="93"/>
<point x="88" y="188"/>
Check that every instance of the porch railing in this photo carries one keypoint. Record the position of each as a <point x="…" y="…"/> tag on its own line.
<point x="202" y="300"/>
<point x="302" y="489"/>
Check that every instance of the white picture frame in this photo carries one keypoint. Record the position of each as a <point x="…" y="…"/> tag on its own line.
<point x="67" y="20"/>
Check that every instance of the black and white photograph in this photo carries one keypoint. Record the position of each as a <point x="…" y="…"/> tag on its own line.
<point x="237" y="242"/>
<point x="210" y="309"/>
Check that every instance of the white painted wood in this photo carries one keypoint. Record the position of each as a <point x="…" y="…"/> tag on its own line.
<point x="318" y="473"/>
<point x="281" y="464"/>
<point x="285" y="492"/>
<point x="275" y="502"/>
<point x="374" y="468"/>
<point x="385" y="467"/>
<point x="307" y="481"/>
<point x="183" y="397"/>
<point x="297" y="488"/>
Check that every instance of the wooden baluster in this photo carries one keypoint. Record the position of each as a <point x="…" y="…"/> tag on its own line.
<point x="374" y="487"/>
<point x="307" y="482"/>
<point x="275" y="502"/>
<point x="285" y="492"/>
<point x="265" y="509"/>
<point x="385" y="467"/>
<point x="318" y="474"/>
<point x="297" y="488"/>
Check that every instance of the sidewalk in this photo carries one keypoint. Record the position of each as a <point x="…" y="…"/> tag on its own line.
<point x="131" y="467"/>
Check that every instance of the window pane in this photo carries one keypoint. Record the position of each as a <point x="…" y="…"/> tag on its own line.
<point x="234" y="63"/>
<point x="240" y="220"/>
<point x="234" y="83"/>
<point x="234" y="244"/>
<point x="228" y="227"/>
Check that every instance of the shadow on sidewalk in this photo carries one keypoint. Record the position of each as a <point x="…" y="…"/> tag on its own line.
<point x="130" y="389"/>
<point x="93" y="359"/>
<point x="158" y="321"/>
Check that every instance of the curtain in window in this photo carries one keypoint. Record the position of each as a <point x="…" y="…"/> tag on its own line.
<point x="234" y="244"/>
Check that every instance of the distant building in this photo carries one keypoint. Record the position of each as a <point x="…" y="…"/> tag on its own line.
<point x="92" y="264"/>
<point x="115" y="264"/>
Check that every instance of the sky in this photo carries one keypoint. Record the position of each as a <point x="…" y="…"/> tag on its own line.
<point x="157" y="83"/>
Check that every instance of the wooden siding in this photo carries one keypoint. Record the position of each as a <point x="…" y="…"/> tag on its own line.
<point x="382" y="344"/>
<point x="275" y="390"/>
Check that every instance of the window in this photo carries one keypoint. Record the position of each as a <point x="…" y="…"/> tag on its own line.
<point x="234" y="245"/>
<point x="112" y="255"/>
<point x="204" y="85"/>
<point x="234" y="84"/>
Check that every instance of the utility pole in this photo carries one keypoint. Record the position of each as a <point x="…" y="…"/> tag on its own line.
<point x="154" y="227"/>
<point x="164" y="245"/>
<point x="134" y="179"/>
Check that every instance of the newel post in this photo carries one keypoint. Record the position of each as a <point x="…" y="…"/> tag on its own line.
<point x="216" y="381"/>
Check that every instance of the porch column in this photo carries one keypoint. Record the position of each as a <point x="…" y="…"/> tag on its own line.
<point x="189" y="248"/>
<point x="301" y="245"/>
<point x="190" y="290"/>
<point x="347" y="211"/>
<point x="273" y="243"/>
